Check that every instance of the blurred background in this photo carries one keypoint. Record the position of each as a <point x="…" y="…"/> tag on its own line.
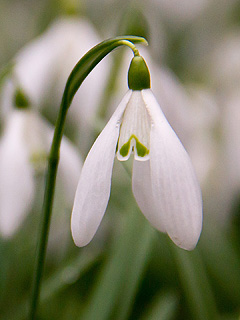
<point x="129" y="270"/>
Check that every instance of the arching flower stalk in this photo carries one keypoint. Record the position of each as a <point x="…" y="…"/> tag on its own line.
<point x="79" y="73"/>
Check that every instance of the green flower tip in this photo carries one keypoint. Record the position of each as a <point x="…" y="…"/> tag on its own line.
<point x="20" y="100"/>
<point x="138" y="74"/>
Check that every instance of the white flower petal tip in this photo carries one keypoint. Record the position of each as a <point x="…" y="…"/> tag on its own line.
<point x="176" y="191"/>
<point x="185" y="234"/>
<point x="94" y="185"/>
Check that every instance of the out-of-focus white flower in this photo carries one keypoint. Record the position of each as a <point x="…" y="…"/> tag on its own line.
<point x="24" y="148"/>
<point x="43" y="66"/>
<point x="173" y="98"/>
<point x="231" y="139"/>
<point x="180" y="12"/>
<point x="223" y="183"/>
<point x="193" y="113"/>
<point x="202" y="144"/>
<point x="223" y="73"/>
<point x="164" y="183"/>
<point x="224" y="64"/>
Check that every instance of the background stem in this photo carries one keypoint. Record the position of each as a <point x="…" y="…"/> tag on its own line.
<point x="47" y="208"/>
<point x="42" y="245"/>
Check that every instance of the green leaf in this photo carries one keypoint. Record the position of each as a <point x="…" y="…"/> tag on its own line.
<point x="68" y="275"/>
<point x="3" y="267"/>
<point x="222" y="260"/>
<point x="118" y="281"/>
<point x="164" y="307"/>
<point x="195" y="283"/>
<point x="59" y="281"/>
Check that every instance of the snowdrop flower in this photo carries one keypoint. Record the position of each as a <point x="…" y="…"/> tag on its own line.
<point x="231" y="136"/>
<point x="163" y="179"/>
<point x="42" y="67"/>
<point x="24" y="147"/>
<point x="224" y="64"/>
<point x="226" y="183"/>
<point x="191" y="111"/>
<point x="180" y="14"/>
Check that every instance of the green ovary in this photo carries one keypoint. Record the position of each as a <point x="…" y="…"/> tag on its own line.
<point x="141" y="149"/>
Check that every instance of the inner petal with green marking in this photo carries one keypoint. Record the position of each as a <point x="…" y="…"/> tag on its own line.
<point x="135" y="130"/>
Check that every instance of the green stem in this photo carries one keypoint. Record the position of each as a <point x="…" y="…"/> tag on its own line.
<point x="41" y="251"/>
<point x="77" y="76"/>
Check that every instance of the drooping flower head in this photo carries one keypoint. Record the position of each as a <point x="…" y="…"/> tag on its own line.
<point x="163" y="179"/>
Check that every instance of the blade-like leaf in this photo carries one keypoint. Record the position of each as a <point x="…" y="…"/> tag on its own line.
<point x="59" y="281"/>
<point x="119" y="279"/>
<point x="195" y="284"/>
<point x="164" y="307"/>
<point x="222" y="261"/>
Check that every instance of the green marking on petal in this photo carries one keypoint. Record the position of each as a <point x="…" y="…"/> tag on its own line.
<point x="125" y="149"/>
<point x="142" y="151"/>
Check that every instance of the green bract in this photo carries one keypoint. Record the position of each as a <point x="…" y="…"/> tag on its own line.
<point x="138" y="74"/>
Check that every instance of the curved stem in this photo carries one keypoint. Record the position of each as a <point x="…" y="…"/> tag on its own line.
<point x="131" y="46"/>
<point x="85" y="65"/>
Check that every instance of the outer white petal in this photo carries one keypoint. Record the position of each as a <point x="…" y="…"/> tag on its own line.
<point x="93" y="189"/>
<point x="174" y="182"/>
<point x="16" y="175"/>
<point x="143" y="193"/>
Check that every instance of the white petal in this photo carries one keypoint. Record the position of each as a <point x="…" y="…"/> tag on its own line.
<point x="175" y="186"/>
<point x="16" y="175"/>
<point x="142" y="190"/>
<point x="93" y="189"/>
